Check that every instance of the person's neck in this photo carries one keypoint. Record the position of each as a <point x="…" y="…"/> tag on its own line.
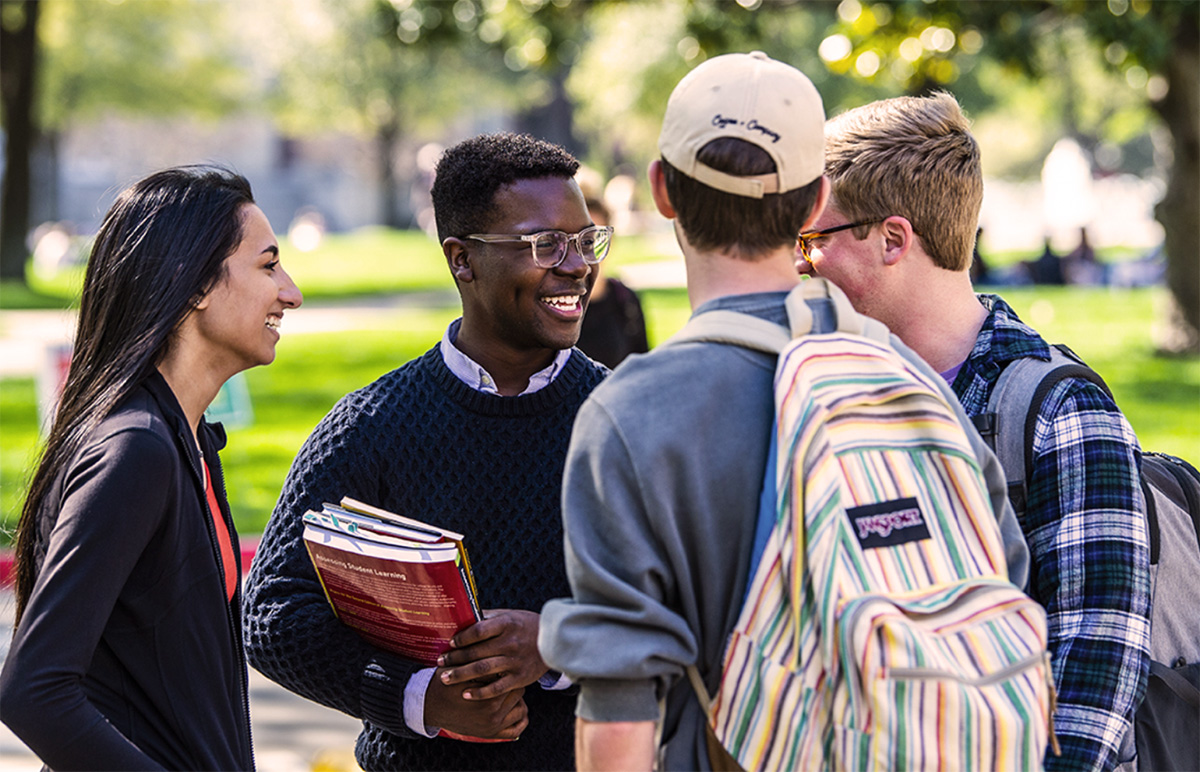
<point x="942" y="322"/>
<point x="510" y="368"/>
<point x="194" y="384"/>
<point x="712" y="275"/>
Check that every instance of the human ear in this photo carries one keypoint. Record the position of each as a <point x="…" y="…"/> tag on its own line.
<point x="818" y="205"/>
<point x="898" y="238"/>
<point x="459" y="259"/>
<point x="658" y="190"/>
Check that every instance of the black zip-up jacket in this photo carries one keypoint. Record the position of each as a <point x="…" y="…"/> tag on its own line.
<point x="129" y="655"/>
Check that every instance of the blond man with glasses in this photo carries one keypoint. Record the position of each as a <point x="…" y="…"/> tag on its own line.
<point x="897" y="237"/>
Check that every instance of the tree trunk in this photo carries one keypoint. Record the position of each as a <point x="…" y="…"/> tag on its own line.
<point x="389" y="200"/>
<point x="554" y="120"/>
<point x="18" y="69"/>
<point x="1179" y="210"/>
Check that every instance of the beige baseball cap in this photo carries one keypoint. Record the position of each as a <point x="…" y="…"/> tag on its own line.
<point x="752" y="97"/>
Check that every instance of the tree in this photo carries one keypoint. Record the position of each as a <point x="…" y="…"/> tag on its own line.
<point x="639" y="51"/>
<point x="391" y="71"/>
<point x="160" y="58"/>
<point x="1154" y="45"/>
<point x="540" y="42"/>
<point x="18" y="78"/>
<point x="432" y="59"/>
<point x="537" y="42"/>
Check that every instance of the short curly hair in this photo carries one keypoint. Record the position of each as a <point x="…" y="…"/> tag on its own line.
<point x="469" y="174"/>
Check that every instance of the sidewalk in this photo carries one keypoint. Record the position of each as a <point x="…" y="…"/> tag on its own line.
<point x="291" y="734"/>
<point x="24" y="335"/>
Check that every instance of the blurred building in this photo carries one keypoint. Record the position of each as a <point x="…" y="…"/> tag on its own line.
<point x="76" y="178"/>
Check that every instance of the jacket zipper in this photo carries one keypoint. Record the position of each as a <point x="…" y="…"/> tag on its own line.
<point x="235" y="631"/>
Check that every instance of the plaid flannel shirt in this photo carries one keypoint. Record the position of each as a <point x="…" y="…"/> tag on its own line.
<point x="1088" y="547"/>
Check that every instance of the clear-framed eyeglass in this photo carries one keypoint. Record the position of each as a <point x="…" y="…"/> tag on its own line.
<point x="549" y="248"/>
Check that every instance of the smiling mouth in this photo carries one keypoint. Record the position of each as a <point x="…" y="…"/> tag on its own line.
<point x="564" y="303"/>
<point x="274" y="321"/>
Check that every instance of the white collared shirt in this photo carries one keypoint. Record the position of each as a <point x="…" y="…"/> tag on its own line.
<point x="472" y="373"/>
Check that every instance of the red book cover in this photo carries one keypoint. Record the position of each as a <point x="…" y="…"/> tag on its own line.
<point x="409" y="601"/>
<point x="401" y="584"/>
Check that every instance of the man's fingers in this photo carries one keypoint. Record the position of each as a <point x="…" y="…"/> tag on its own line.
<point x="456" y="657"/>
<point x="493" y="689"/>
<point x="494" y="623"/>
<point x="477" y="670"/>
<point x="480" y="631"/>
<point x="517" y="719"/>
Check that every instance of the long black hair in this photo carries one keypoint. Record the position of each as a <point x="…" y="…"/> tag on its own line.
<point x="161" y="247"/>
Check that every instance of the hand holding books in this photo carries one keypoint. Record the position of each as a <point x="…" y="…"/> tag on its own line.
<point x="407" y="587"/>
<point x="503" y="717"/>
<point x="500" y="651"/>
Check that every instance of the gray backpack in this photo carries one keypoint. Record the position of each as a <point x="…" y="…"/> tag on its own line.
<point x="1167" y="725"/>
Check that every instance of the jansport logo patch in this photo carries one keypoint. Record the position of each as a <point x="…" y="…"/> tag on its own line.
<point x="888" y="523"/>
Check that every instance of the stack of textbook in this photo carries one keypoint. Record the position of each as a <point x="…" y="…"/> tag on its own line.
<point x="402" y="584"/>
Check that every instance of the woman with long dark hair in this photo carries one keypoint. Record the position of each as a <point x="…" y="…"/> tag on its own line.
<point x="127" y="652"/>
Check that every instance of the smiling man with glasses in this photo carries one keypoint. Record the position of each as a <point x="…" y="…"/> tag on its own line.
<point x="449" y="438"/>
<point x="549" y="248"/>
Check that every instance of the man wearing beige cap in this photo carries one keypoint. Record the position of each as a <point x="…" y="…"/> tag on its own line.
<point x="667" y="457"/>
<point x="665" y="468"/>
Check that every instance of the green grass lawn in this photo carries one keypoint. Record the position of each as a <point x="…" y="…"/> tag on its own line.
<point x="310" y="374"/>
<point x="346" y="265"/>
<point x="1110" y="329"/>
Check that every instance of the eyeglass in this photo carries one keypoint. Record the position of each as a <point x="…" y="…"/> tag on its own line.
<point x="550" y="247"/>
<point x="806" y="239"/>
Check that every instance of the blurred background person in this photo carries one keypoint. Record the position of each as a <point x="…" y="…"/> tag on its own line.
<point x="127" y="652"/>
<point x="981" y="272"/>
<point x="1080" y="265"/>
<point x="614" y="326"/>
<point x="1047" y="267"/>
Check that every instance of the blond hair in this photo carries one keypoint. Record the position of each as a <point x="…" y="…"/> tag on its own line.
<point x="914" y="157"/>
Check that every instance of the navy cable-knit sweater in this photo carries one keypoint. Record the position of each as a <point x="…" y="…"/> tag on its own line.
<point x="419" y="441"/>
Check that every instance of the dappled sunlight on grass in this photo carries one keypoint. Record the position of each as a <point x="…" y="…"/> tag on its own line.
<point x="1110" y="329"/>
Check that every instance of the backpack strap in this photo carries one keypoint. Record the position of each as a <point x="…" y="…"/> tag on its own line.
<point x="1178" y="481"/>
<point x="719" y="758"/>
<point x="734" y="328"/>
<point x="1010" y="421"/>
<point x="739" y="329"/>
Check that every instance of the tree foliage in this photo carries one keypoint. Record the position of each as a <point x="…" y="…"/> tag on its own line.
<point x="156" y="57"/>
<point x="1152" y="47"/>
<point x="368" y="64"/>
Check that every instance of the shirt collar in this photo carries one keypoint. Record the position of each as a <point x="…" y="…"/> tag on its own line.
<point x="1004" y="337"/>
<point x="765" y="305"/>
<point x="474" y="375"/>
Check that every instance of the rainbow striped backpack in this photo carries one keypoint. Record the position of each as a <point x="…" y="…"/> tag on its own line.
<point x="879" y="629"/>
